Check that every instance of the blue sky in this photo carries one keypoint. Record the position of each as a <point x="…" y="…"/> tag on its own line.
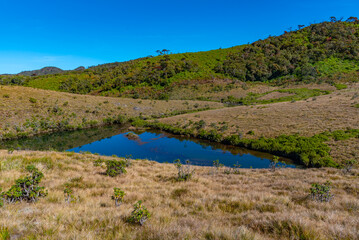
<point x="68" y="34"/>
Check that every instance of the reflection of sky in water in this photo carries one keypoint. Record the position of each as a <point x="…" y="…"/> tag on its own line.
<point x="160" y="148"/>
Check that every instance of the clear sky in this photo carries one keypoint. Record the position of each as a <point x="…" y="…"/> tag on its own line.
<point x="68" y="34"/>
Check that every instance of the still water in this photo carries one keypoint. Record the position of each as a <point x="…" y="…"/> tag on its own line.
<point x="149" y="144"/>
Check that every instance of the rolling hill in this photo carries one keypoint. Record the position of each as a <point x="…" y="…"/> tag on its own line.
<point x="327" y="51"/>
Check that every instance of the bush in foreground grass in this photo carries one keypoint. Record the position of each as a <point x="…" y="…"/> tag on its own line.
<point x="321" y="192"/>
<point x="274" y="163"/>
<point x="118" y="196"/>
<point x="139" y="215"/>
<point x="217" y="165"/>
<point x="184" y="171"/>
<point x="68" y="192"/>
<point x="27" y="188"/>
<point x="348" y="165"/>
<point x="115" y="168"/>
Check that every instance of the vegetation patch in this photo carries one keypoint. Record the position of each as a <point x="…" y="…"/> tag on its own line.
<point x="319" y="52"/>
<point x="26" y="189"/>
<point x="292" y="95"/>
<point x="308" y="151"/>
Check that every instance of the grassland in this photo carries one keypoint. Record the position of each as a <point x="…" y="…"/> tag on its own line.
<point x="26" y="111"/>
<point x="255" y="204"/>
<point x="315" y="115"/>
<point x="305" y="117"/>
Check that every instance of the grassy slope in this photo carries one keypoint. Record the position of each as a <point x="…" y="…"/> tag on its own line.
<point x="255" y="204"/>
<point x="315" y="115"/>
<point x="64" y="111"/>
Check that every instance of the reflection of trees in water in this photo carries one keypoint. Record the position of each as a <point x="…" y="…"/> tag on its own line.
<point x="219" y="146"/>
<point x="62" y="141"/>
<point x="67" y="140"/>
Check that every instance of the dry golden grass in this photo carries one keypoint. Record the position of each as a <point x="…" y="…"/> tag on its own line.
<point x="15" y="106"/>
<point x="218" y="89"/>
<point x="308" y="117"/>
<point x="331" y="112"/>
<point x="255" y="204"/>
<point x="345" y="149"/>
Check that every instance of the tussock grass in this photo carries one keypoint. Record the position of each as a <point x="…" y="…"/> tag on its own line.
<point x="256" y="204"/>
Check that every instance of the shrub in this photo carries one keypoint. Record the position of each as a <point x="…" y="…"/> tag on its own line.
<point x="11" y="150"/>
<point x="115" y="168"/>
<point x="118" y="195"/>
<point x="217" y="165"/>
<point x="251" y="132"/>
<point x="184" y="171"/>
<point x="235" y="168"/>
<point x="6" y="96"/>
<point x="98" y="162"/>
<point x="321" y="192"/>
<point x="139" y="215"/>
<point x="348" y="165"/>
<point x="274" y="163"/>
<point x="128" y="161"/>
<point x="27" y="188"/>
<point x="69" y="197"/>
<point x="32" y="100"/>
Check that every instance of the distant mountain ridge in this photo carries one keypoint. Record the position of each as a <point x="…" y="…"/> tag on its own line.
<point x="46" y="71"/>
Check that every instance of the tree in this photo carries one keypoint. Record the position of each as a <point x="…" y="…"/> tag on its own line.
<point x="352" y="19"/>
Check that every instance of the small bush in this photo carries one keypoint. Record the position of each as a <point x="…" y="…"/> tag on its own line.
<point x="321" y="192"/>
<point x="68" y="192"/>
<point x="32" y="100"/>
<point x="184" y="171"/>
<point x="128" y="160"/>
<point x="98" y="162"/>
<point x="115" y="168"/>
<point x="217" y="165"/>
<point x="118" y="196"/>
<point x="27" y="188"/>
<point x="273" y="165"/>
<point x="6" y="96"/>
<point x="251" y="132"/>
<point x="235" y="168"/>
<point x="139" y="215"/>
<point x="348" y="165"/>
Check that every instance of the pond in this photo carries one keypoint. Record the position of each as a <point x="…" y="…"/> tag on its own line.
<point x="150" y="144"/>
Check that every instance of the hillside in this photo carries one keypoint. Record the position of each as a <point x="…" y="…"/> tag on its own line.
<point x="324" y="52"/>
<point x="26" y="111"/>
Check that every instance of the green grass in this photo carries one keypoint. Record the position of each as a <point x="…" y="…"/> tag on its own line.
<point x="298" y="94"/>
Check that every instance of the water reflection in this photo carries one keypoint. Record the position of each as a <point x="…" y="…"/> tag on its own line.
<point x="151" y="144"/>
